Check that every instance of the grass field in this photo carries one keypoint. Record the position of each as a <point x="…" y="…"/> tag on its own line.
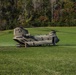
<point x="49" y="60"/>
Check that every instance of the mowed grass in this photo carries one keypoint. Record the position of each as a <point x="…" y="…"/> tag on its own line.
<point x="47" y="60"/>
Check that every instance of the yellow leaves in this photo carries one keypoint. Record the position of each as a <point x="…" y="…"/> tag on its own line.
<point x="27" y="20"/>
<point x="69" y="4"/>
<point x="43" y="18"/>
<point x="19" y="4"/>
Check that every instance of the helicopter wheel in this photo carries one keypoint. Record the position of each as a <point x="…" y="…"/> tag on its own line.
<point x="53" y="44"/>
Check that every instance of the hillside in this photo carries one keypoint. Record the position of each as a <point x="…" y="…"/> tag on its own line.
<point x="48" y="60"/>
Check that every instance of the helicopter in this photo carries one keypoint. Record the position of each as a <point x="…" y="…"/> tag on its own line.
<point x="24" y="38"/>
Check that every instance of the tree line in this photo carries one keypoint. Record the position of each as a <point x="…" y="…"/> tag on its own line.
<point x="36" y="13"/>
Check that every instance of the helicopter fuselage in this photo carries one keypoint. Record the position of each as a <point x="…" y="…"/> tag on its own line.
<point x="22" y="36"/>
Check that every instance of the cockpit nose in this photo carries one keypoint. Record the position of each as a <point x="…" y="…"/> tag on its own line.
<point x="57" y="40"/>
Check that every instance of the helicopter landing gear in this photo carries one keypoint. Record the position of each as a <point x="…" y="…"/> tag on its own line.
<point x="53" y="41"/>
<point x="25" y="45"/>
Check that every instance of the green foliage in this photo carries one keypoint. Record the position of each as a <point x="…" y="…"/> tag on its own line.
<point x="10" y="11"/>
<point x="27" y="13"/>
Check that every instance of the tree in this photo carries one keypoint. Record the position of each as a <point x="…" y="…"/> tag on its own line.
<point x="10" y="11"/>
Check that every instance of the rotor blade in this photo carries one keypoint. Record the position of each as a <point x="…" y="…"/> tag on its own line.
<point x="65" y="32"/>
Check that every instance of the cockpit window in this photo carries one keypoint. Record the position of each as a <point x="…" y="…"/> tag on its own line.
<point x="18" y="30"/>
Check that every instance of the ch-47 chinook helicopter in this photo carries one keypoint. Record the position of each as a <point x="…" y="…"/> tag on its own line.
<point x="24" y="38"/>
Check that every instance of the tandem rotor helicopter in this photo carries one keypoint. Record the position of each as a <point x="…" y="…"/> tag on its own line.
<point x="23" y="38"/>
